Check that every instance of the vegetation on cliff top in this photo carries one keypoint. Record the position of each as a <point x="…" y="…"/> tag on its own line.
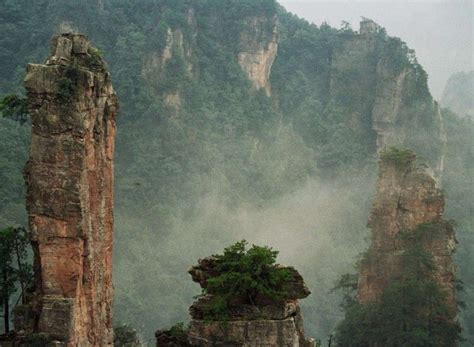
<point x="125" y="335"/>
<point x="244" y="274"/>
<point x="398" y="156"/>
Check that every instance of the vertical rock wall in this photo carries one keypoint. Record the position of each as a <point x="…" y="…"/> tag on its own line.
<point x="407" y="197"/>
<point x="70" y="194"/>
<point x="258" y="50"/>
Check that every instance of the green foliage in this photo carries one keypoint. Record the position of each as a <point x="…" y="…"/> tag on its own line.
<point x="38" y="340"/>
<point x="14" y="267"/>
<point x="411" y="313"/>
<point x="14" y="107"/>
<point x="400" y="157"/>
<point x="179" y="331"/>
<point x="68" y="85"/>
<point x="244" y="274"/>
<point x="125" y="335"/>
<point x="412" y="310"/>
<point x="347" y="283"/>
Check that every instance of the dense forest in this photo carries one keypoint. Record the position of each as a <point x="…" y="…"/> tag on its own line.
<point x="204" y="158"/>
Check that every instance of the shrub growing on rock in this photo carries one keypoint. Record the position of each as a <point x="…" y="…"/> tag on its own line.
<point x="245" y="276"/>
<point x="398" y="156"/>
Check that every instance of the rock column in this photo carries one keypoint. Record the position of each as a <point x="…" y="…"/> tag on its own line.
<point x="406" y="200"/>
<point x="69" y="177"/>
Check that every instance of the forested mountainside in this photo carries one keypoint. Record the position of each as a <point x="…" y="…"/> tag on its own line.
<point x="240" y="120"/>
<point x="457" y="95"/>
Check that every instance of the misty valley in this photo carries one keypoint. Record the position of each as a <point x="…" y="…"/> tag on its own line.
<point x="224" y="173"/>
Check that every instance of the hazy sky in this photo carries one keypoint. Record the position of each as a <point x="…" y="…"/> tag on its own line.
<point x="440" y="31"/>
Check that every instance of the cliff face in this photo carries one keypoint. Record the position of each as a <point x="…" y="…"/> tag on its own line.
<point x="177" y="49"/>
<point x="258" y="49"/>
<point x="388" y="97"/>
<point x="69" y="179"/>
<point x="407" y="200"/>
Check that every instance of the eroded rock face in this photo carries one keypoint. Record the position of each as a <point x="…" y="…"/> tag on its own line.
<point x="264" y="322"/>
<point x="259" y="47"/>
<point x="407" y="197"/>
<point x="250" y="333"/>
<point x="377" y="94"/>
<point x="69" y="176"/>
<point x="176" y="46"/>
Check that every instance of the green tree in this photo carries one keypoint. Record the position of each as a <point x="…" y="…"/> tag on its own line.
<point x="244" y="274"/>
<point x="14" y="107"/>
<point x="14" y="268"/>
<point x="125" y="336"/>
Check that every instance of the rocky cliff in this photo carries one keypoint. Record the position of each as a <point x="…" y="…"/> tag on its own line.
<point x="69" y="178"/>
<point x="258" y="50"/>
<point x="408" y="209"/>
<point x="166" y="68"/>
<point x="261" y="323"/>
<point x="398" y="102"/>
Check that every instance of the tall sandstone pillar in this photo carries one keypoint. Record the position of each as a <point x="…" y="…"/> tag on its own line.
<point x="407" y="198"/>
<point x="69" y="176"/>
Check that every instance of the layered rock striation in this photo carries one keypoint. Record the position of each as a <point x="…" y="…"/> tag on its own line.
<point x="69" y="178"/>
<point x="264" y="322"/>
<point x="408" y="208"/>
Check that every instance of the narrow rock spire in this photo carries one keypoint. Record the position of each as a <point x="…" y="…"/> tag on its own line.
<point x="69" y="176"/>
<point x="408" y="209"/>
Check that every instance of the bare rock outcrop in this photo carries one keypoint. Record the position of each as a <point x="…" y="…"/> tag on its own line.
<point x="258" y="50"/>
<point x="407" y="201"/>
<point x="69" y="176"/>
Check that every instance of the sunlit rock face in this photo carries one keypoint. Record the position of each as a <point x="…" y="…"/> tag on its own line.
<point x="69" y="176"/>
<point x="258" y="50"/>
<point x="407" y="197"/>
<point x="263" y="322"/>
